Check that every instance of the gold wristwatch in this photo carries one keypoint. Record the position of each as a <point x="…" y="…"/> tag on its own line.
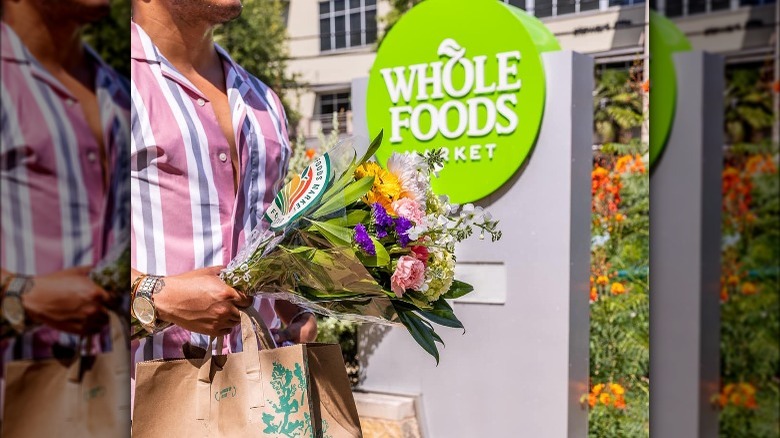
<point x="13" y="310"/>
<point x="143" y="303"/>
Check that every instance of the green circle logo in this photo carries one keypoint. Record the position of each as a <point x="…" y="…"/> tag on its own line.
<point x="465" y="76"/>
<point x="665" y="40"/>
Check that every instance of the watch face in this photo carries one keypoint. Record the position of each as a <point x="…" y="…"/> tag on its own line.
<point x="13" y="311"/>
<point x="144" y="310"/>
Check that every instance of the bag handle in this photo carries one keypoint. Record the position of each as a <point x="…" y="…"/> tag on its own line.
<point x="253" y="329"/>
<point x="203" y="403"/>
<point x="117" y="334"/>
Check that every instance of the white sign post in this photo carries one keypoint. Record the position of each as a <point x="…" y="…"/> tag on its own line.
<point x="685" y="215"/>
<point x="521" y="368"/>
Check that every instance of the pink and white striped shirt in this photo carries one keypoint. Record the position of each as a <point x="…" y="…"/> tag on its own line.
<point x="56" y="212"/>
<point x="185" y="212"/>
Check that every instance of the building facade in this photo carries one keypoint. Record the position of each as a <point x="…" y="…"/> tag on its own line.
<point x="332" y="42"/>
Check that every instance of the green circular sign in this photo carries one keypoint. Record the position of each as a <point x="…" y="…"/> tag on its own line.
<point x="665" y="39"/>
<point x="465" y="76"/>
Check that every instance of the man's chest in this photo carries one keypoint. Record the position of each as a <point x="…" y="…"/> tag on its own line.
<point x="180" y="137"/>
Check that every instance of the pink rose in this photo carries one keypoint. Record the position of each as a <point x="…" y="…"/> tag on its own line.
<point x="409" y="209"/>
<point x="421" y="253"/>
<point x="409" y="274"/>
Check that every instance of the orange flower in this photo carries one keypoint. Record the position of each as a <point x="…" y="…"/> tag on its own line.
<point x="750" y="403"/>
<point x="597" y="389"/>
<point x="310" y="153"/>
<point x="728" y="389"/>
<point x="594" y="294"/>
<point x="733" y="280"/>
<point x="617" y="289"/>
<point x="616" y="389"/>
<point x="724" y="295"/>
<point x="602" y="280"/>
<point x="592" y="400"/>
<point x="735" y="399"/>
<point x="619" y="217"/>
<point x="646" y="86"/>
<point x="620" y="402"/>
<point x="621" y="165"/>
<point x="605" y="398"/>
<point x="747" y="388"/>
<point x="748" y="288"/>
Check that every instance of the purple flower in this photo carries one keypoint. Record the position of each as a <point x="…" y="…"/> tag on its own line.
<point x="363" y="240"/>
<point x="402" y="227"/>
<point x="382" y="220"/>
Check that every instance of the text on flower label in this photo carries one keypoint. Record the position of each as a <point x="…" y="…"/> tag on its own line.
<point x="475" y="117"/>
<point x="300" y="193"/>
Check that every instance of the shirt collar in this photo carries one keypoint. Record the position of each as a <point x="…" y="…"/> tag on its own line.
<point x="13" y="49"/>
<point x="143" y="49"/>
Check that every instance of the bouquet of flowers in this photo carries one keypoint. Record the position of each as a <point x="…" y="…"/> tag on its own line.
<point x="351" y="239"/>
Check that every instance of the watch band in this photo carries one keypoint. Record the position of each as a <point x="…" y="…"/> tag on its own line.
<point x="13" y="311"/>
<point x="147" y="286"/>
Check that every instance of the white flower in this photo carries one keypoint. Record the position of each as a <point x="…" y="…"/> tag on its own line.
<point x="409" y="168"/>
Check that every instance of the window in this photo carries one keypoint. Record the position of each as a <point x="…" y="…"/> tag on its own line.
<point x="552" y="8"/>
<point x="677" y="8"/>
<point x="330" y="104"/>
<point x="347" y="23"/>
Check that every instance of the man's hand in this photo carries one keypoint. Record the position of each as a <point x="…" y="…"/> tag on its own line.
<point x="199" y="301"/>
<point x="300" y="331"/>
<point x="68" y="301"/>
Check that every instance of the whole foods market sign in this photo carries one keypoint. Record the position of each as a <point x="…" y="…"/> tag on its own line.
<point x="465" y="76"/>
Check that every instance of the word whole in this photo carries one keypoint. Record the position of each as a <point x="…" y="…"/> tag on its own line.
<point x="427" y="101"/>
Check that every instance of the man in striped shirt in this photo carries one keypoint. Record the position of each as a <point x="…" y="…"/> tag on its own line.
<point x="64" y="174"/>
<point x="209" y="153"/>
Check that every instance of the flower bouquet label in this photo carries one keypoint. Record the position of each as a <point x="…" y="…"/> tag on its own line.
<point x="300" y="194"/>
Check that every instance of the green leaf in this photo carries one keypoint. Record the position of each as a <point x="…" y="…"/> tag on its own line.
<point x="347" y="177"/>
<point x="351" y="193"/>
<point x="373" y="147"/>
<point x="421" y="333"/>
<point x="457" y="290"/>
<point x="337" y="235"/>
<point x="382" y="257"/>
<point x="352" y="218"/>
<point x="442" y="314"/>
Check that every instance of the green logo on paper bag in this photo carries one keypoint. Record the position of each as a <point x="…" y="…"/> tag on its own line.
<point x="287" y="383"/>
<point x="300" y="193"/>
<point x="471" y="83"/>
<point x="95" y="392"/>
<point x="224" y="393"/>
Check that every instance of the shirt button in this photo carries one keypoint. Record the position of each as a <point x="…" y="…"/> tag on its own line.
<point x="222" y="157"/>
<point x="91" y="156"/>
<point x="201" y="102"/>
<point x="70" y="102"/>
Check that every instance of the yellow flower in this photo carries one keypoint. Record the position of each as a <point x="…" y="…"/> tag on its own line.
<point x="617" y="289"/>
<point x="619" y="217"/>
<point x="386" y="187"/>
<point x="605" y="398"/>
<point x="597" y="389"/>
<point x="747" y="388"/>
<point x="602" y="280"/>
<point x="616" y="389"/>
<point x="748" y="288"/>
<point x="732" y="280"/>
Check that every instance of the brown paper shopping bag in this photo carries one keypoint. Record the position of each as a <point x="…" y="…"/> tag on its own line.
<point x="86" y="396"/>
<point x="297" y="391"/>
